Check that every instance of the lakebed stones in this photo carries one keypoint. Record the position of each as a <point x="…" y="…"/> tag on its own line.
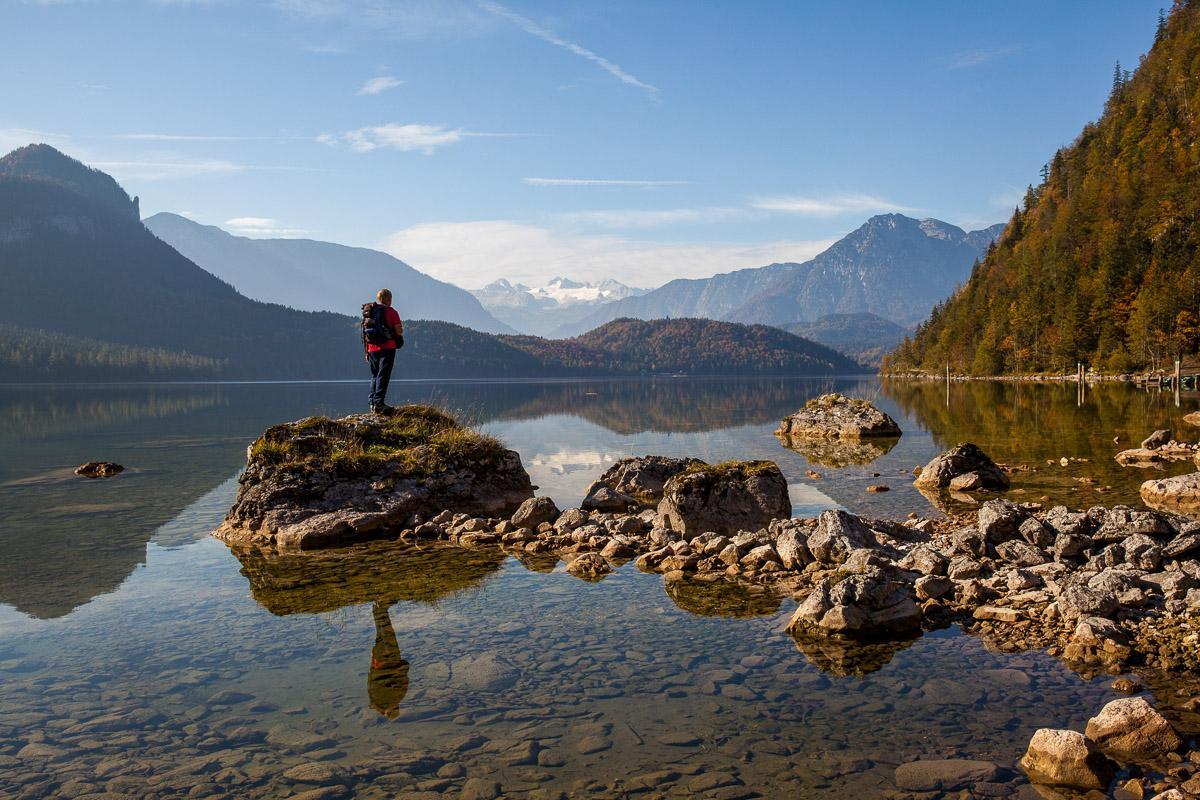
<point x="835" y="416"/>
<point x="99" y="469"/>
<point x="724" y="498"/>
<point x="321" y="482"/>
<point x="962" y="460"/>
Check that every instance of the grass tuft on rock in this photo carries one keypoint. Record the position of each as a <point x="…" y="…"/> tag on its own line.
<point x="415" y="441"/>
<point x="744" y="469"/>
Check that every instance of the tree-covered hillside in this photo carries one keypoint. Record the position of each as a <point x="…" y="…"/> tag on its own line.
<point x="1100" y="263"/>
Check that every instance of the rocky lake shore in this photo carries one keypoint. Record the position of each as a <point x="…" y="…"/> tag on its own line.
<point x="1107" y="590"/>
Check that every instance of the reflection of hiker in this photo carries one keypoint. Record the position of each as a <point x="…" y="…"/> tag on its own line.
<point x="382" y="333"/>
<point x="388" y="681"/>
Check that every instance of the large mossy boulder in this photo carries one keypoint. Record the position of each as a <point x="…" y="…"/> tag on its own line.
<point x="323" y="482"/>
<point x="724" y="498"/>
<point x="835" y="416"/>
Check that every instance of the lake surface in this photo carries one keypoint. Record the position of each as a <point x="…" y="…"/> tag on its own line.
<point x="140" y="657"/>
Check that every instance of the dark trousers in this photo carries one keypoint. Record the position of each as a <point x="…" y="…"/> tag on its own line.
<point x="381" y="362"/>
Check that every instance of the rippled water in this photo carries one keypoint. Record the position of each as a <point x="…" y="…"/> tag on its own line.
<point x="140" y="657"/>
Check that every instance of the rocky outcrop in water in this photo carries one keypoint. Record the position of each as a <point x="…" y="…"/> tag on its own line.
<point x="98" y="469"/>
<point x="320" y="482"/>
<point x="835" y="416"/>
<point x="963" y="468"/>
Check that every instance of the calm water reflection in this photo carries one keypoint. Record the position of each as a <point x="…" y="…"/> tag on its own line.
<point x="139" y="657"/>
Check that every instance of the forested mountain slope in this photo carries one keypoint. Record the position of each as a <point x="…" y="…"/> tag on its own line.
<point x="1100" y="263"/>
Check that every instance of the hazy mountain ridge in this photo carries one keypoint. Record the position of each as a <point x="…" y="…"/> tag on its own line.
<point x="117" y="294"/>
<point x="893" y="266"/>
<point x="311" y="275"/>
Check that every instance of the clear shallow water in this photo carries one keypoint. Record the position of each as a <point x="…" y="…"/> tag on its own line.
<point x="139" y="656"/>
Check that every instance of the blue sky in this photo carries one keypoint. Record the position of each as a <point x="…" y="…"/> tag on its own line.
<point x="637" y="140"/>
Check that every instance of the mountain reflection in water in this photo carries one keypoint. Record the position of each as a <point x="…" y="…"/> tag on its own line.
<point x="67" y="540"/>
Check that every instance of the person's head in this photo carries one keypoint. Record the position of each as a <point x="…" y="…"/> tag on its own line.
<point x="385" y="296"/>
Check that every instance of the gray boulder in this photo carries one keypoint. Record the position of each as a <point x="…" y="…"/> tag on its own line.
<point x="869" y="603"/>
<point x="1131" y="729"/>
<point x="1000" y="520"/>
<point x="643" y="479"/>
<point x="1177" y="493"/>
<point x="837" y="535"/>
<point x="835" y="416"/>
<point x="1156" y="440"/>
<point x="534" y="512"/>
<point x="960" y="460"/>
<point x="604" y="498"/>
<point x="724" y="498"/>
<point x="1066" y="758"/>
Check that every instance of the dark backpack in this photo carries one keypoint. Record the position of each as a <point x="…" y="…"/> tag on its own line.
<point x="374" y="324"/>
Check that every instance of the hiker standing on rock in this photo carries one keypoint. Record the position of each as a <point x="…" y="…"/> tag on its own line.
<point x="382" y="334"/>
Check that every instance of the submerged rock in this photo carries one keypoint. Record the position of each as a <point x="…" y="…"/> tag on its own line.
<point x="99" y="469"/>
<point x="835" y="416"/>
<point x="724" y="498"/>
<point x="1177" y="492"/>
<point x="945" y="775"/>
<point x="322" y="482"/>
<point x="1066" y="758"/>
<point x="963" y="459"/>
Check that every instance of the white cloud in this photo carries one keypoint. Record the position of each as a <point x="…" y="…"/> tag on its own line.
<point x="261" y="227"/>
<point x="974" y="58"/>
<point x="598" y="182"/>
<point x="546" y="35"/>
<point x="650" y="218"/>
<point x="476" y="253"/>
<point x="393" y="136"/>
<point x="829" y="206"/>
<point x="379" y="85"/>
<point x="167" y="169"/>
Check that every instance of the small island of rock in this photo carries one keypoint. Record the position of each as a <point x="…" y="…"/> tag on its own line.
<point x="323" y="482"/>
<point x="835" y="416"/>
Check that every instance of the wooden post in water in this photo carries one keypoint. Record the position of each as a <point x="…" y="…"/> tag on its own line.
<point x="947" y="384"/>
<point x="1178" y="365"/>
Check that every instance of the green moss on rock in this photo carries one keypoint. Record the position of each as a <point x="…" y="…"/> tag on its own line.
<point x="416" y="440"/>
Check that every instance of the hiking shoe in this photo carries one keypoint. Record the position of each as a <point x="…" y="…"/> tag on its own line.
<point x="384" y="410"/>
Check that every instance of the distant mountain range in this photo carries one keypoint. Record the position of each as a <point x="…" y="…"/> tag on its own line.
<point x="89" y="291"/>
<point x="893" y="266"/>
<point x="545" y="309"/>
<point x="319" y="276"/>
<point x="865" y="337"/>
